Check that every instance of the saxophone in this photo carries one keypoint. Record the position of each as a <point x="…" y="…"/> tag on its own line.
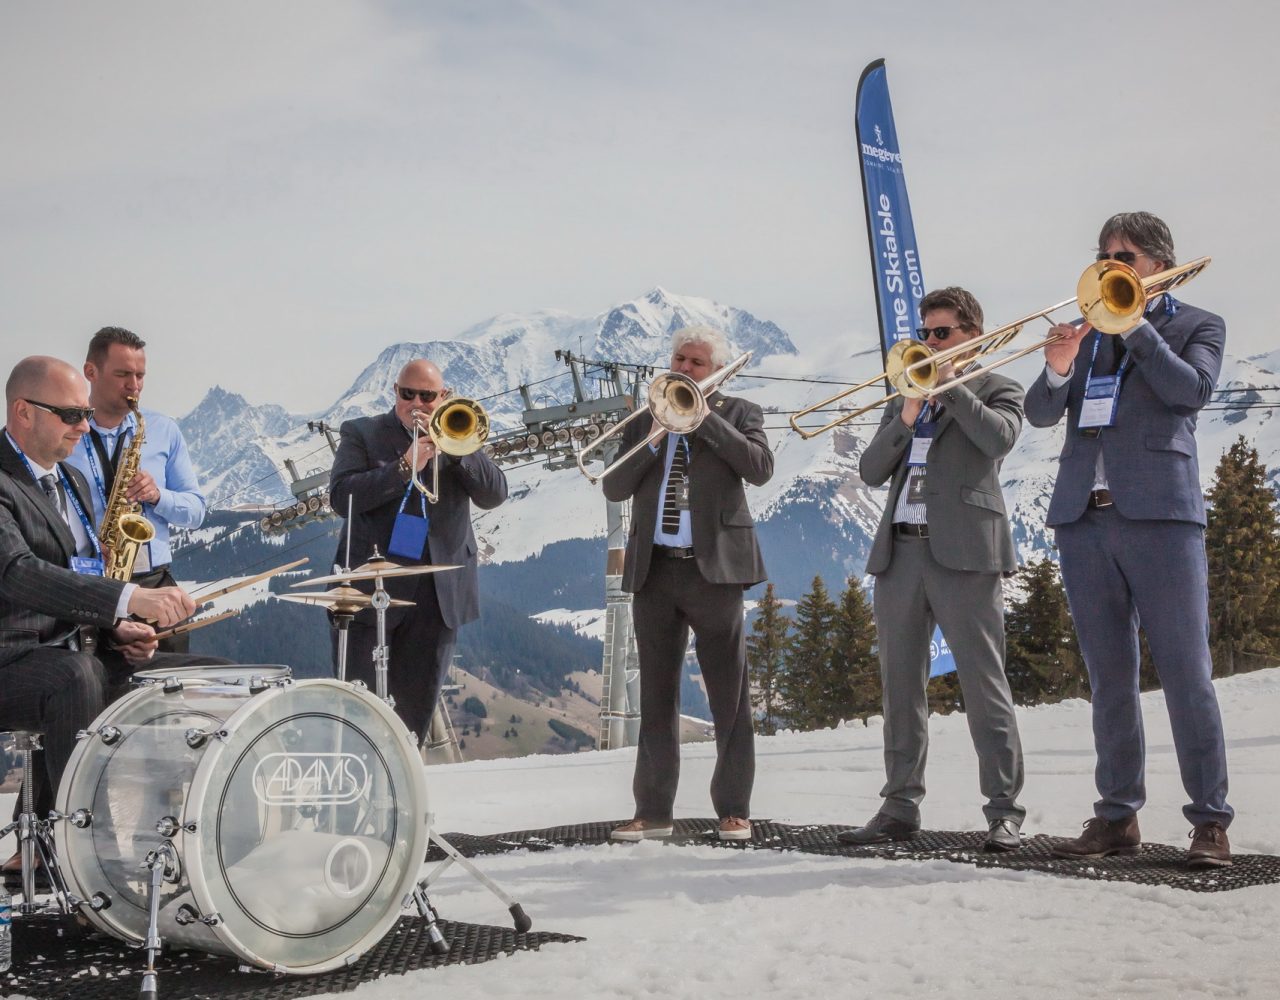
<point x="124" y="530"/>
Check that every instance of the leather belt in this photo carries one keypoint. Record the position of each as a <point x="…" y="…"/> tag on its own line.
<point x="911" y="530"/>
<point x="673" y="552"/>
<point x="1100" y="498"/>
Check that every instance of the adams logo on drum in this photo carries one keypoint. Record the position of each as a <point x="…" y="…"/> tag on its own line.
<point x="310" y="779"/>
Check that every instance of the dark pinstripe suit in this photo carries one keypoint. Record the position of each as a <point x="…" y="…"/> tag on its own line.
<point x="54" y="691"/>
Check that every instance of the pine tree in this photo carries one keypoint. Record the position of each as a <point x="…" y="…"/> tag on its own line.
<point x="766" y="660"/>
<point x="1042" y="660"/>
<point x="807" y="675"/>
<point x="1242" y="541"/>
<point x="855" y="668"/>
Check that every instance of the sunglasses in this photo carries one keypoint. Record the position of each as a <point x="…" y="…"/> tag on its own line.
<point x="939" y="333"/>
<point x="1123" y="256"/>
<point x="426" y="395"/>
<point x="69" y="415"/>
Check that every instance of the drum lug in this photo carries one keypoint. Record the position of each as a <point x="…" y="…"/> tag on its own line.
<point x="171" y="685"/>
<point x="168" y="826"/>
<point x="186" y="915"/>
<point x="212" y="920"/>
<point x="110" y="735"/>
<point x="196" y="738"/>
<point x="80" y="819"/>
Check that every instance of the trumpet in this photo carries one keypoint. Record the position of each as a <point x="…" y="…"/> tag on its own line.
<point x="1111" y="298"/>
<point x="458" y="426"/>
<point x="678" y="405"/>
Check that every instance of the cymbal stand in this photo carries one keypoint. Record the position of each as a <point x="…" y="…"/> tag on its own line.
<point x="35" y="838"/>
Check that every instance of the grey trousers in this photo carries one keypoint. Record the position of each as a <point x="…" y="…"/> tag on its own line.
<point x="674" y="599"/>
<point x="912" y="596"/>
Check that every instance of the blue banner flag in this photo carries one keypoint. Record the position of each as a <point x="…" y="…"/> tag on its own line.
<point x="895" y="259"/>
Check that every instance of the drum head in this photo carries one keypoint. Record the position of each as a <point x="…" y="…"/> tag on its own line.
<point x="224" y="674"/>
<point x="306" y="826"/>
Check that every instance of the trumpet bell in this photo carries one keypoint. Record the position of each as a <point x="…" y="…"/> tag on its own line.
<point x="459" y="427"/>
<point x="1111" y="296"/>
<point x="676" y="403"/>
<point x="910" y="370"/>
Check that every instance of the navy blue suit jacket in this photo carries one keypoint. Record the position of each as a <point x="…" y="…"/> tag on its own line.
<point x="1149" y="456"/>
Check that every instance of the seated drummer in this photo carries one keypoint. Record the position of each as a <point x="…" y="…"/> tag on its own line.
<point x="66" y="636"/>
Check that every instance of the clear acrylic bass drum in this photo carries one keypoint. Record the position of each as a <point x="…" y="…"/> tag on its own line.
<point x="297" y="812"/>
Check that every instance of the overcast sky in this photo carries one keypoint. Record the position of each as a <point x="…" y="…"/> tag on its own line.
<point x="270" y="192"/>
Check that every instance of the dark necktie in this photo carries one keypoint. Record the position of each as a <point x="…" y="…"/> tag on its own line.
<point x="50" y="487"/>
<point x="675" y="481"/>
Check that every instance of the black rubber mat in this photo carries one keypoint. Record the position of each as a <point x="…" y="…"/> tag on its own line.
<point x="51" y="963"/>
<point x="1154" y="864"/>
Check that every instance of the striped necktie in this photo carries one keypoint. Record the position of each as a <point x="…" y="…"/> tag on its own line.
<point x="50" y="487"/>
<point x="676" y="479"/>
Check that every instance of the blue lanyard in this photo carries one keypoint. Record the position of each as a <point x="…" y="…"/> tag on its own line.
<point x="98" y="480"/>
<point x="71" y="496"/>
<point x="1119" y="375"/>
<point x="421" y="496"/>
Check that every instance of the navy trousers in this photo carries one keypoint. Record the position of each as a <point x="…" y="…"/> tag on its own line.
<point x="1120" y="574"/>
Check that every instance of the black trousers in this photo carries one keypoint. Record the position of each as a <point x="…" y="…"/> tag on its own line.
<point x="674" y="599"/>
<point x="58" y="692"/>
<point x="420" y="651"/>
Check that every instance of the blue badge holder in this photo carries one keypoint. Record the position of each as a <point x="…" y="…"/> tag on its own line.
<point x="409" y="534"/>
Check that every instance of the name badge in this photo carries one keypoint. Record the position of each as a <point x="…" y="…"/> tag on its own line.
<point x="682" y="494"/>
<point x="1099" y="406"/>
<point x="921" y="441"/>
<point x="86" y="566"/>
<point x="915" y="487"/>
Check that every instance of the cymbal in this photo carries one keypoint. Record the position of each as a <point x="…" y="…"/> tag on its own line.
<point x="373" y="570"/>
<point x="344" y="600"/>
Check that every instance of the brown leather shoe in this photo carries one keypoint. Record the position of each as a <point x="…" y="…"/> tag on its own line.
<point x="1101" y="838"/>
<point x="1209" y="847"/>
<point x="14" y="864"/>
<point x="642" y="829"/>
<point x="734" y="828"/>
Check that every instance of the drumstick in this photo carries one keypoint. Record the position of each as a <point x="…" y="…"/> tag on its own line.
<point x="251" y="580"/>
<point x="190" y="626"/>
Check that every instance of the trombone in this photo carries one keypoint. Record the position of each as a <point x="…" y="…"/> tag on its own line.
<point x="678" y="405"/>
<point x="458" y="426"/>
<point x="1111" y="298"/>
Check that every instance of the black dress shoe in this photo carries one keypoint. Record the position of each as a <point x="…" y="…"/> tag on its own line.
<point x="1003" y="835"/>
<point x="880" y="829"/>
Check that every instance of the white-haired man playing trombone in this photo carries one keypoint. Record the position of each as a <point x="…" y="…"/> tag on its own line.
<point x="691" y="553"/>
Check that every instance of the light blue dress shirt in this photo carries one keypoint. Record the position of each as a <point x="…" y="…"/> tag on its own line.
<point x="165" y="457"/>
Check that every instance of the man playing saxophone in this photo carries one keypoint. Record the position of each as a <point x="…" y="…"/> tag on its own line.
<point x="135" y="459"/>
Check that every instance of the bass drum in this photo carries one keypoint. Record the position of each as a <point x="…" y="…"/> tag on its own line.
<point x="297" y="815"/>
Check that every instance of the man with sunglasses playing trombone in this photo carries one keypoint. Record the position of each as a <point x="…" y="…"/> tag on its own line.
<point x="376" y="470"/>
<point x="1129" y="516"/>
<point x="939" y="556"/>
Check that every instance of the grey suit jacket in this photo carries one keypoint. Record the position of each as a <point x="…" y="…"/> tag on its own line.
<point x="365" y="469"/>
<point x="1149" y="456"/>
<point x="729" y="447"/>
<point x="40" y="598"/>
<point x="968" y="524"/>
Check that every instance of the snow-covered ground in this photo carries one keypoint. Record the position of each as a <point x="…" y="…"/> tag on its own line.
<point x="667" y="921"/>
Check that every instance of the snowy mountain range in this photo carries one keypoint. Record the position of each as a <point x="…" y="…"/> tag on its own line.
<point x="815" y="516"/>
